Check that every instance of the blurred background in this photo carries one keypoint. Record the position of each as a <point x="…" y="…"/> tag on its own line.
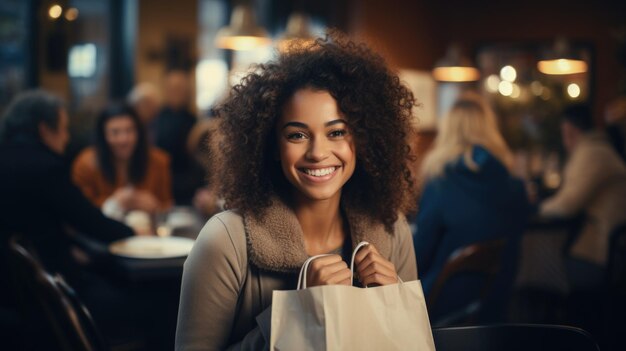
<point x="89" y="51"/>
<point x="528" y="59"/>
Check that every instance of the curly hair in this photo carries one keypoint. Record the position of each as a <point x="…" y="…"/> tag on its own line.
<point x="378" y="109"/>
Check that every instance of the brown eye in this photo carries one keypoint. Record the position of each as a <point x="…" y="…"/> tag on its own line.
<point x="338" y="133"/>
<point x="296" y="136"/>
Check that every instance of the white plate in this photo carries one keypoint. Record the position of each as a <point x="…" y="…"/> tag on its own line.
<point x="152" y="247"/>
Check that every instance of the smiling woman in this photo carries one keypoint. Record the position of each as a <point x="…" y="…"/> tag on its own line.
<point x="314" y="155"/>
<point x="121" y="172"/>
<point x="316" y="150"/>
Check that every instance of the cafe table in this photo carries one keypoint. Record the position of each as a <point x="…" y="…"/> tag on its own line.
<point x="131" y="269"/>
<point x="152" y="285"/>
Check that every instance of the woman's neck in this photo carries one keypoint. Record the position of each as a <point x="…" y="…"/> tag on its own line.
<point x="322" y="225"/>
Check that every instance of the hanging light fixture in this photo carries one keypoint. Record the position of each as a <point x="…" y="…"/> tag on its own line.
<point x="243" y="33"/>
<point x="297" y="32"/>
<point x="561" y="60"/>
<point x="455" y="68"/>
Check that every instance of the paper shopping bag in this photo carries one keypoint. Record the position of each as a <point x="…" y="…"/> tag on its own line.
<point x="339" y="317"/>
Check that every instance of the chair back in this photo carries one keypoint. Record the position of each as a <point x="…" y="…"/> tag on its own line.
<point x="513" y="337"/>
<point x="51" y="297"/>
<point x="482" y="259"/>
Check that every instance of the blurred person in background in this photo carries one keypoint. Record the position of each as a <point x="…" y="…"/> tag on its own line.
<point x="171" y="130"/>
<point x="594" y="184"/>
<point x="145" y="99"/>
<point x="469" y="197"/>
<point x="203" y="145"/>
<point x="121" y="172"/>
<point x="39" y="199"/>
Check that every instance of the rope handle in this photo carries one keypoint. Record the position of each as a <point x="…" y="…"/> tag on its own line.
<point x="356" y="249"/>
<point x="305" y="266"/>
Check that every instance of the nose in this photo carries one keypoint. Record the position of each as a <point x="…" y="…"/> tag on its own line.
<point x="318" y="149"/>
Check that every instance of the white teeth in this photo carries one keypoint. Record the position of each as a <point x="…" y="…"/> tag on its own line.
<point x="320" y="172"/>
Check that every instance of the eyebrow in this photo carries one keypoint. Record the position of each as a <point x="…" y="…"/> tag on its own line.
<point x="303" y="125"/>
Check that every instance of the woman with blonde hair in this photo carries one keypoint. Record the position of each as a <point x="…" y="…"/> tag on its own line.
<point x="470" y="123"/>
<point x="469" y="196"/>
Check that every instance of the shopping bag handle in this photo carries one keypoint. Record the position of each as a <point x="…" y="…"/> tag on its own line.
<point x="305" y="266"/>
<point x="356" y="249"/>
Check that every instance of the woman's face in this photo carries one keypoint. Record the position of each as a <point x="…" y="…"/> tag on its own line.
<point x="121" y="136"/>
<point x="316" y="148"/>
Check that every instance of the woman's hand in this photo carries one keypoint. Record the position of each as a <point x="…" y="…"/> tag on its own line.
<point x="374" y="269"/>
<point x="123" y="197"/>
<point x="328" y="270"/>
<point x="145" y="201"/>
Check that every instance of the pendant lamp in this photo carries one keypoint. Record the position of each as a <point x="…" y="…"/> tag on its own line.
<point x="243" y="33"/>
<point x="297" y="32"/>
<point x="561" y="60"/>
<point x="454" y="67"/>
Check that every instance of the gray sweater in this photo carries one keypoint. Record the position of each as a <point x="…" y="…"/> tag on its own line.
<point x="237" y="262"/>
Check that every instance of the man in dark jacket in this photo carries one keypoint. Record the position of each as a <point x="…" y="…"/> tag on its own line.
<point x="38" y="200"/>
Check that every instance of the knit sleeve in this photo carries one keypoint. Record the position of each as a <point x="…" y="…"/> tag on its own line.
<point x="212" y="279"/>
<point x="588" y="168"/>
<point x="403" y="254"/>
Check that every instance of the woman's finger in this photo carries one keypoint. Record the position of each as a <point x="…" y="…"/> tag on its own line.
<point x="376" y="279"/>
<point x="372" y="258"/>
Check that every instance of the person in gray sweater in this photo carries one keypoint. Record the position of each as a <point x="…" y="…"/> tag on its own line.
<point x="314" y="153"/>
<point x="594" y="184"/>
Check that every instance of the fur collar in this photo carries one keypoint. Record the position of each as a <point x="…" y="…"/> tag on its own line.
<point x="275" y="241"/>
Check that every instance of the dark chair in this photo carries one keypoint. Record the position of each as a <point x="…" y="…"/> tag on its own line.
<point x="483" y="260"/>
<point x="615" y="299"/>
<point x="50" y="297"/>
<point x="616" y="264"/>
<point x="513" y="337"/>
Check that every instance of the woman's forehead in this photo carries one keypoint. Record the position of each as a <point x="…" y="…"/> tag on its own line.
<point x="308" y="106"/>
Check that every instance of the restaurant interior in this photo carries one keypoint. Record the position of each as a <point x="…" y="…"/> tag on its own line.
<point x="174" y="61"/>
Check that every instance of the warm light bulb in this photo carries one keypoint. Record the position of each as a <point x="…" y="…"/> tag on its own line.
<point x="491" y="83"/>
<point x="55" y="11"/>
<point x="456" y="74"/>
<point x="562" y="66"/>
<point x="505" y="88"/>
<point x="508" y="73"/>
<point x="573" y="90"/>
<point x="71" y="14"/>
<point x="242" y="42"/>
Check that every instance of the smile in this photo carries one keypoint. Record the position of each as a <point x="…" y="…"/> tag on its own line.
<point x="319" y="172"/>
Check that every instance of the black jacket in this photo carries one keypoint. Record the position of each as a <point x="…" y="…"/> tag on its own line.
<point x="37" y="199"/>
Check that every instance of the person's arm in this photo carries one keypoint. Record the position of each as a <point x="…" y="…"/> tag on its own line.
<point x="74" y="209"/>
<point x="84" y="177"/>
<point x="586" y="170"/>
<point x="429" y="227"/>
<point x="213" y="276"/>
